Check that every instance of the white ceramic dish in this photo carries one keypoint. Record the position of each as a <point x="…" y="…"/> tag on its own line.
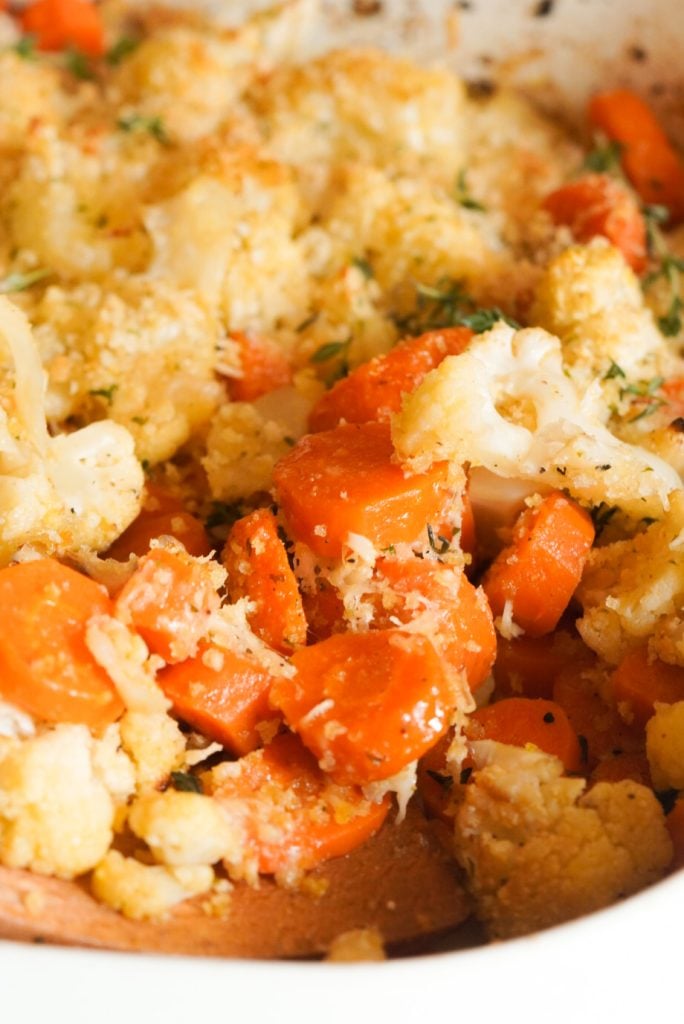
<point x="623" y="963"/>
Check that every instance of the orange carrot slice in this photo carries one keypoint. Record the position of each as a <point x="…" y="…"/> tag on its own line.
<point x="521" y="721"/>
<point x="264" y="366"/>
<point x="45" y="666"/>
<point x="600" y="205"/>
<point x="58" y="24"/>
<point x="366" y="704"/>
<point x="639" y="682"/>
<point x="527" y="666"/>
<point x="295" y="816"/>
<point x="168" y="600"/>
<point x="539" y="572"/>
<point x="221" y="694"/>
<point x="374" y="391"/>
<point x="162" y="514"/>
<point x="344" y="481"/>
<point x="258" y="569"/>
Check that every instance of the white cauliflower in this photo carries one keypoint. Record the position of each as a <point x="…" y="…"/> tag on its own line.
<point x="506" y="404"/>
<point x="58" y="797"/>
<point x="665" y="746"/>
<point x="155" y="744"/>
<point x="59" y="493"/>
<point x="633" y="590"/>
<point x="186" y="828"/>
<point x="538" y="850"/>
<point x="243" y="446"/>
<point x="142" y="891"/>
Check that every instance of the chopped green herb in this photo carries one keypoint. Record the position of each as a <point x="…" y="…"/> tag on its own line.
<point x="79" y="65"/>
<point x="20" y="282"/>
<point x="329" y="351"/>
<point x="306" y="323"/>
<point x="654" y="215"/>
<point x="614" y="371"/>
<point x="106" y="393"/>
<point x="603" y="158"/>
<point x="601" y="515"/>
<point x="364" y="266"/>
<point x="448" y="305"/>
<point x="26" y="48"/>
<point x="463" y="196"/>
<point x="123" y="48"/>
<point x="671" y="322"/>
<point x="439" y="544"/>
<point x="184" y="782"/>
<point x="484" y="319"/>
<point x="223" y="514"/>
<point x="391" y="550"/>
<point x="135" y="123"/>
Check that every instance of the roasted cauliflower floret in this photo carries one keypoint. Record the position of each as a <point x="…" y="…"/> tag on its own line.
<point x="538" y="850"/>
<point x="143" y="891"/>
<point x="58" y="799"/>
<point x="63" y="493"/>
<point x="633" y="589"/>
<point x="591" y="299"/>
<point x="506" y="404"/>
<point x="186" y="828"/>
<point x="97" y="366"/>
<point x="242" y="448"/>
<point x="665" y="746"/>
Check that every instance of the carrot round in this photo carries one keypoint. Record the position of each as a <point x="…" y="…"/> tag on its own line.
<point x="45" y="666"/>
<point x="521" y="721"/>
<point x="527" y="666"/>
<point x="295" y="816"/>
<point x="599" y="205"/>
<point x="258" y="569"/>
<point x="577" y="688"/>
<point x="168" y="600"/>
<point x="639" y="682"/>
<point x="649" y="160"/>
<point x="539" y="572"/>
<point x="162" y="514"/>
<point x="344" y="481"/>
<point x="616" y="767"/>
<point x="458" y="614"/>
<point x="264" y="367"/>
<point x="374" y="391"/>
<point x="675" y="826"/>
<point x="324" y="611"/>
<point x="221" y="694"/>
<point x="58" y="24"/>
<point x="366" y="704"/>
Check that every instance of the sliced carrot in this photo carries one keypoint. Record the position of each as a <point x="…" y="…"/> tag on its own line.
<point x="324" y="611"/>
<point x="602" y="731"/>
<point x="222" y="694"/>
<point x="258" y="569"/>
<point x="675" y="826"/>
<point x="455" y="612"/>
<point x="161" y="514"/>
<point x="366" y="704"/>
<point x="599" y="205"/>
<point x="168" y="600"/>
<point x="539" y="572"/>
<point x="295" y="816"/>
<point x="374" y="391"/>
<point x="639" y="682"/>
<point x="344" y="481"/>
<point x="264" y="367"/>
<point x="649" y="160"/>
<point x="527" y="666"/>
<point x="46" y="667"/>
<point x="58" y="24"/>
<point x="617" y="767"/>
<point x="521" y="721"/>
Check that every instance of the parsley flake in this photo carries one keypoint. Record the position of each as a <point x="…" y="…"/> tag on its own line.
<point x="121" y="49"/>
<point x="20" y="282"/>
<point x="106" y="393"/>
<point x="139" y="123"/>
<point x="184" y="782"/>
<point x="463" y="196"/>
<point x="604" y="157"/>
<point x="329" y="351"/>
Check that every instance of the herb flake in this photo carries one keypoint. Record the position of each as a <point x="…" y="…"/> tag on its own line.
<point x="140" y="123"/>
<point x="19" y="282"/>
<point x="184" y="782"/>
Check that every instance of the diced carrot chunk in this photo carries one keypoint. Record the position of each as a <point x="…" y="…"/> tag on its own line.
<point x="639" y="682"/>
<point x="264" y="365"/>
<point x="521" y="721"/>
<point x="58" y="24"/>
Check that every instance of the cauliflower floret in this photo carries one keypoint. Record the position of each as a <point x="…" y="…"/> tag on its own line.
<point x="665" y="746"/>
<point x="186" y="828"/>
<point x="633" y="589"/>
<point x="242" y="448"/>
<point x="142" y="891"/>
<point x="90" y="339"/>
<point x="506" y="404"/>
<point x="155" y="744"/>
<point x="537" y="851"/>
<point x="56" y="810"/>
<point x="58" y="493"/>
<point x="592" y="300"/>
<point x="30" y="94"/>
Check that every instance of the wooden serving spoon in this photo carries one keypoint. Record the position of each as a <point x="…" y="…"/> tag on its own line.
<point x="403" y="882"/>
